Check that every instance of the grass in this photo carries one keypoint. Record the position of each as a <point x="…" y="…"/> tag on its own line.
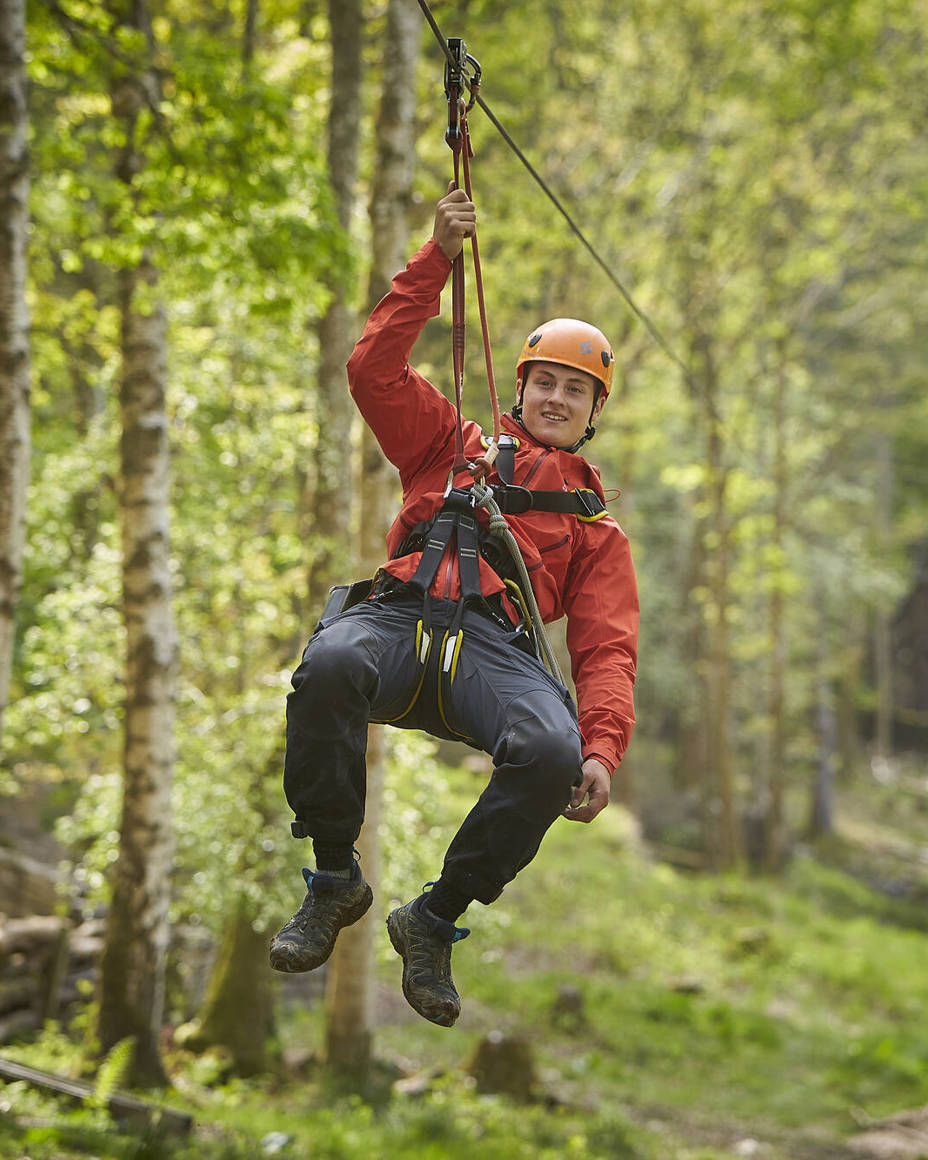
<point x="715" y="1011"/>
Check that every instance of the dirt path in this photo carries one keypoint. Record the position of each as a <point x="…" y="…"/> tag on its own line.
<point x="900" y="1137"/>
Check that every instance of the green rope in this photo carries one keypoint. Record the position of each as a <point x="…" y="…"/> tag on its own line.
<point x="499" y="528"/>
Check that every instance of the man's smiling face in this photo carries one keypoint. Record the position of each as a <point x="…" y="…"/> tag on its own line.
<point x="557" y="401"/>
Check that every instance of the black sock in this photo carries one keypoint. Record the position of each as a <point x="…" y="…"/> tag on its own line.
<point x="332" y="856"/>
<point x="446" y="901"/>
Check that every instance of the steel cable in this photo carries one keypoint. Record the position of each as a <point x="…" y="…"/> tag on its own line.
<point x="639" y="313"/>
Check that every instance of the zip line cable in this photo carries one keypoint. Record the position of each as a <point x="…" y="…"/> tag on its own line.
<point x="552" y="197"/>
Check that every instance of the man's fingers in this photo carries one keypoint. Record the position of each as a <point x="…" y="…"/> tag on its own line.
<point x="583" y="810"/>
<point x="454" y="196"/>
<point x="575" y="811"/>
<point x="580" y="813"/>
<point x="455" y="220"/>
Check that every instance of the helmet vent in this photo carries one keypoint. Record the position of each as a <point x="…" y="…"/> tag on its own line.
<point x="604" y="355"/>
<point x="535" y="338"/>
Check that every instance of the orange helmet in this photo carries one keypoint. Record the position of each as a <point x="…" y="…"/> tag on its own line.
<point x="572" y="344"/>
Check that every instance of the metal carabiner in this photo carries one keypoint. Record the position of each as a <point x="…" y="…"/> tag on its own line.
<point x="473" y="82"/>
<point x="457" y="80"/>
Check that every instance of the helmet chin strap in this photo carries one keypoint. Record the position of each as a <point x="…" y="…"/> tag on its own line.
<point x="584" y="438"/>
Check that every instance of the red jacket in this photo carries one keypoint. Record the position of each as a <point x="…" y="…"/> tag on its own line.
<point x="583" y="570"/>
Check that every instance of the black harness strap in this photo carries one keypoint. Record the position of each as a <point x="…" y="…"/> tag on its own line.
<point x="506" y="457"/>
<point x="514" y="500"/>
<point x="583" y="502"/>
<point x="456" y="516"/>
<point x="455" y="519"/>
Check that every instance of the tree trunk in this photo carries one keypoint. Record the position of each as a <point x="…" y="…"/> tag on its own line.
<point x="350" y="997"/>
<point x="721" y="823"/>
<point x="249" y="34"/>
<point x="132" y="974"/>
<point x="882" y="643"/>
<point x="776" y="754"/>
<point x="327" y="503"/>
<point x="238" y="1009"/>
<point x="849" y="746"/>
<point x="821" y="815"/>
<point x="821" y="810"/>
<point x="692" y="746"/>
<point x="137" y="930"/>
<point x="14" y="327"/>
<point x="237" y="1012"/>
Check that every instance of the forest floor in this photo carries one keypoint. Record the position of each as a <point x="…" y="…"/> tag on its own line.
<point x="662" y="1015"/>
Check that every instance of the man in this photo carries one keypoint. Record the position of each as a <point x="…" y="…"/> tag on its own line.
<point x="440" y="644"/>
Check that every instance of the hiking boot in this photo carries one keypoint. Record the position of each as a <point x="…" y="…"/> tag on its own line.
<point x="330" y="903"/>
<point x="424" y="942"/>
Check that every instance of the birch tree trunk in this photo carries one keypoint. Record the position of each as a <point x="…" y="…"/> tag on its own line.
<point x="132" y="974"/>
<point x="350" y="996"/>
<point x="14" y="327"/>
<point x="327" y="503"/>
<point x="132" y="995"/>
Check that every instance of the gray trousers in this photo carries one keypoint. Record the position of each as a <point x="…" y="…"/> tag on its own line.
<point x="364" y="666"/>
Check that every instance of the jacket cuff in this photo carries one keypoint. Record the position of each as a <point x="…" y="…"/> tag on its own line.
<point x="609" y="759"/>
<point x="432" y="255"/>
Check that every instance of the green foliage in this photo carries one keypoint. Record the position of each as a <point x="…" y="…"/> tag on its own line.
<point x="757" y="177"/>
<point x="743" y="171"/>
<point x="232" y="203"/>
<point x="112" y="1073"/>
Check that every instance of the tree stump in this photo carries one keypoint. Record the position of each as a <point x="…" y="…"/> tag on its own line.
<point x="567" y="1010"/>
<point x="504" y="1065"/>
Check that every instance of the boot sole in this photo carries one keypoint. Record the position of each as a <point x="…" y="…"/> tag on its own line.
<point x="445" y="1019"/>
<point x="287" y="959"/>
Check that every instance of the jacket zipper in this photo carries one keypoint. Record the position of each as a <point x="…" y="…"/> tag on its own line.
<point x="531" y="471"/>
<point x="550" y="547"/>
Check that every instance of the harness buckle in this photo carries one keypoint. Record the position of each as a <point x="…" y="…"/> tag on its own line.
<point x="583" y="499"/>
<point x="512" y="499"/>
<point x="458" y="498"/>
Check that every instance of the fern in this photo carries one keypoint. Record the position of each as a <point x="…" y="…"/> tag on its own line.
<point x="113" y="1071"/>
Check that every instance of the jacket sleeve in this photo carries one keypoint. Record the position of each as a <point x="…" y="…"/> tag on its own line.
<point x="410" y="418"/>
<point x="601" y="602"/>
